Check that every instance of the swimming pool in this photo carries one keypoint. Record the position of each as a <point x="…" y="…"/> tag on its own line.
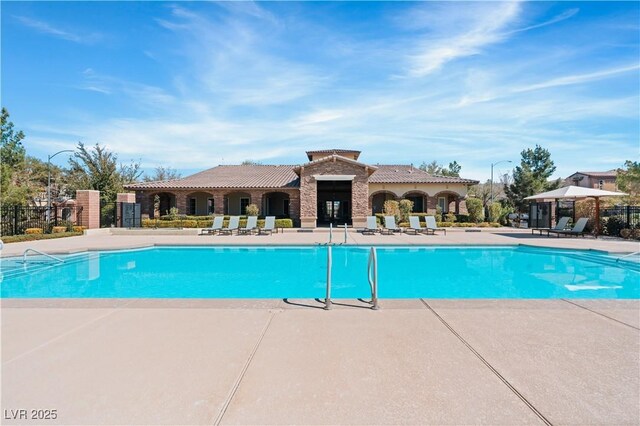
<point x="300" y="272"/>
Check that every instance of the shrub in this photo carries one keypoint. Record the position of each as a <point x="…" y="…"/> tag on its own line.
<point x="36" y="236"/>
<point x="495" y="212"/>
<point x="614" y="225"/>
<point x="173" y="213"/>
<point x="58" y="229"/>
<point x="450" y="217"/>
<point x="475" y="209"/>
<point x="252" y="210"/>
<point x="78" y="228"/>
<point x="404" y="207"/>
<point x="626" y="233"/>
<point x="438" y="213"/>
<point x="462" y="218"/>
<point x="29" y="231"/>
<point x="392" y="208"/>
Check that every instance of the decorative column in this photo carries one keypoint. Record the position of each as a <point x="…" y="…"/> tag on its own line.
<point x="88" y="201"/>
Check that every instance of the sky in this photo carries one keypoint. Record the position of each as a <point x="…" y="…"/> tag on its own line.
<point x="191" y="85"/>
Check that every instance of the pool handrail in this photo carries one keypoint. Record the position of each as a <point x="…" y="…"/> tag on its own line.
<point x="345" y="233"/>
<point x="635" y="253"/>
<point x="327" y="300"/>
<point x="372" y="266"/>
<point x="24" y="255"/>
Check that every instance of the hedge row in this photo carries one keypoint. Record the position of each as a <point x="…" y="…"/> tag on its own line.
<point x="206" y="223"/>
<point x="169" y="217"/>
<point x="33" y="237"/>
<point x="459" y="225"/>
<point x="463" y="218"/>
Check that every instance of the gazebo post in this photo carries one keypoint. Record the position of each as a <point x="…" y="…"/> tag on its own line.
<point x="597" y="216"/>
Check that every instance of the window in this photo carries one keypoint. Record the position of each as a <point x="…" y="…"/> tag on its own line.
<point x="192" y="206"/>
<point x="418" y="203"/>
<point x="244" y="202"/>
<point x="600" y="183"/>
<point x="210" y="206"/>
<point x="442" y="202"/>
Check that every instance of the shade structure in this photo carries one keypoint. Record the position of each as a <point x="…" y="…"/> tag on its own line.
<point x="573" y="192"/>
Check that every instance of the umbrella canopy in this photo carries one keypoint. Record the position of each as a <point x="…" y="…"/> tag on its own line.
<point x="578" y="192"/>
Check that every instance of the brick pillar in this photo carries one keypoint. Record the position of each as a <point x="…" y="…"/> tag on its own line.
<point x="89" y="202"/>
<point x="218" y="202"/>
<point x="126" y="197"/>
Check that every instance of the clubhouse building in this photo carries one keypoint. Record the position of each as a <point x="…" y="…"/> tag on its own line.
<point x="332" y="187"/>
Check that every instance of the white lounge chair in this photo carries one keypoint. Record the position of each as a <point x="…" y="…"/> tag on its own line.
<point x="269" y="226"/>
<point x="252" y="224"/>
<point x="216" y="226"/>
<point x="372" y="226"/>
<point x="414" y="225"/>
<point x="431" y="225"/>
<point x="390" y="226"/>
<point x="562" y="223"/>
<point x="234" y="222"/>
<point x="577" y="230"/>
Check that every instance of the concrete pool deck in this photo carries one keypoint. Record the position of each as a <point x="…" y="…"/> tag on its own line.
<point x="415" y="361"/>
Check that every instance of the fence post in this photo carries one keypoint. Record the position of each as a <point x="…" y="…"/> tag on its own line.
<point x="628" y="216"/>
<point x="16" y="212"/>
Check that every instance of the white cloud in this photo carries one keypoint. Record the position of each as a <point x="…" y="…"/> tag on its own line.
<point x="46" y="28"/>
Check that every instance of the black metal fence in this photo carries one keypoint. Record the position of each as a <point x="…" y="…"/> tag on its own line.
<point x="630" y="215"/>
<point x="14" y="220"/>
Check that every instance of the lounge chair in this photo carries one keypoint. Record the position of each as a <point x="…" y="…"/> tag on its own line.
<point x="216" y="226"/>
<point x="390" y="226"/>
<point x="252" y="224"/>
<point x="562" y="223"/>
<point x="269" y="226"/>
<point x="577" y="230"/>
<point x="431" y="226"/>
<point x="234" y="221"/>
<point x="414" y="225"/>
<point x="372" y="226"/>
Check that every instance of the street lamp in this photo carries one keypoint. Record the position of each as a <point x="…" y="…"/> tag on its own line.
<point x="49" y="182"/>
<point x="495" y="164"/>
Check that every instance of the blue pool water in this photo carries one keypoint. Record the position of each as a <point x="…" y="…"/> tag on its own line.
<point x="300" y="272"/>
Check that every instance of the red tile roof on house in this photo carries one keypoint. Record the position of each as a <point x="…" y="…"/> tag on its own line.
<point x="244" y="176"/>
<point x="609" y="173"/>
<point x="272" y="176"/>
<point x="403" y="173"/>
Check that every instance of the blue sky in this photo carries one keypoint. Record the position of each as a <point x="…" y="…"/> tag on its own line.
<point x="193" y="85"/>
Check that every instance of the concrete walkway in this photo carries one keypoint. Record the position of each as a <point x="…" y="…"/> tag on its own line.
<point x="417" y="361"/>
<point x="217" y="361"/>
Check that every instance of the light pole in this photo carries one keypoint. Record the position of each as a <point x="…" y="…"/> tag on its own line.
<point x="495" y="164"/>
<point x="49" y="183"/>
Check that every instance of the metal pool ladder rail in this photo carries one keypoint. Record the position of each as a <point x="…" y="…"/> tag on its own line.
<point x="24" y="255"/>
<point x="635" y="253"/>
<point x="327" y="299"/>
<point x="372" y="276"/>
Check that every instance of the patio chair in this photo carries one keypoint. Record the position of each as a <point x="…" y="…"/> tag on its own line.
<point x="372" y="226"/>
<point x="269" y="226"/>
<point x="216" y="226"/>
<point x="252" y="224"/>
<point x="562" y="223"/>
<point x="234" y="222"/>
<point x="414" y="225"/>
<point x="577" y="230"/>
<point x="390" y="226"/>
<point x="431" y="226"/>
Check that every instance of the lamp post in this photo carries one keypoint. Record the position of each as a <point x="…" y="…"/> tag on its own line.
<point x="49" y="183"/>
<point x="492" y="165"/>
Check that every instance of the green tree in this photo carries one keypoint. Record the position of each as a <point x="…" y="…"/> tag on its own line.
<point x="162" y="173"/>
<point x="12" y="157"/>
<point x="628" y="180"/>
<point x="98" y="169"/>
<point x="433" y="168"/>
<point x="250" y="163"/>
<point x="475" y="209"/>
<point x="531" y="176"/>
<point x="405" y="207"/>
<point x="453" y="169"/>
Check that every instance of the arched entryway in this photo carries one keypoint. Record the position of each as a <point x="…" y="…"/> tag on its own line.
<point x="235" y="203"/>
<point x="419" y="199"/>
<point x="199" y="203"/>
<point x="162" y="203"/>
<point x="448" y="201"/>
<point x="378" y="199"/>
<point x="276" y="204"/>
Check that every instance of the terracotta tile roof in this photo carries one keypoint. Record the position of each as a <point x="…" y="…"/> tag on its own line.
<point x="332" y="158"/>
<point x="249" y="176"/>
<point x="272" y="176"/>
<point x="609" y="173"/>
<point x="403" y="173"/>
